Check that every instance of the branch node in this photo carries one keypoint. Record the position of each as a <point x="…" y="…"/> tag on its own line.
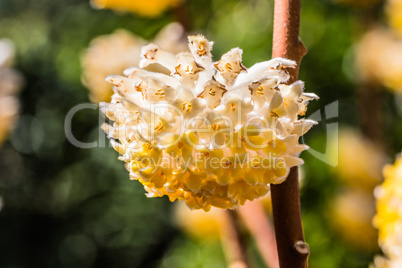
<point x="302" y="48"/>
<point x="302" y="247"/>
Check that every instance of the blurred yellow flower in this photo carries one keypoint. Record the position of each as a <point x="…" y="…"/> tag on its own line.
<point x="108" y="54"/>
<point x="118" y="51"/>
<point x="379" y="57"/>
<point x="192" y="129"/>
<point x="393" y="9"/>
<point x="10" y="83"/>
<point x="198" y="223"/>
<point x="389" y="214"/>
<point x="359" y="161"/>
<point x="359" y="168"/>
<point x="149" y="8"/>
<point x="351" y="215"/>
<point x="382" y="262"/>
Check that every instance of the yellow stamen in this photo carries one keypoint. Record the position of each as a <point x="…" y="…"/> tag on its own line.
<point x="260" y="90"/>
<point x="187" y="106"/>
<point x="233" y="106"/>
<point x="216" y="127"/>
<point x="159" y="127"/>
<point x="201" y="50"/>
<point x="273" y="114"/>
<point x="180" y="144"/>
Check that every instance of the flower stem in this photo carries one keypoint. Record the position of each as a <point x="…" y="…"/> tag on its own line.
<point x="182" y="13"/>
<point x="369" y="103"/>
<point x="292" y="250"/>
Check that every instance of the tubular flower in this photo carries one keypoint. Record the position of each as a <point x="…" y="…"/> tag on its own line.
<point x="211" y="134"/>
<point x="10" y="82"/>
<point x="389" y="216"/>
<point x="150" y="8"/>
<point x="115" y="52"/>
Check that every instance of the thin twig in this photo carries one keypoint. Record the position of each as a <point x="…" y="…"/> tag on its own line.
<point x="233" y="242"/>
<point x="292" y="250"/>
<point x="257" y="222"/>
<point x="369" y="93"/>
<point x="182" y="13"/>
<point x="369" y="103"/>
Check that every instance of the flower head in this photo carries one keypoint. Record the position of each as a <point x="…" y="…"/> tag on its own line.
<point x="197" y="131"/>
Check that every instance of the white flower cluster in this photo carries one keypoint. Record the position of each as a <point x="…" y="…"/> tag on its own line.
<point x="210" y="133"/>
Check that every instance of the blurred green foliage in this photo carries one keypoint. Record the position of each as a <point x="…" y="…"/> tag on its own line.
<point x="71" y="207"/>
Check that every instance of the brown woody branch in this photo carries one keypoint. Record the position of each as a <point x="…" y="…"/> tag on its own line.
<point x="286" y="41"/>
<point x="292" y="250"/>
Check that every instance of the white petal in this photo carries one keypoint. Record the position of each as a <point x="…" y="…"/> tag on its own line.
<point x="302" y="126"/>
<point x="309" y="96"/>
<point x="151" y="54"/>
<point x="292" y="161"/>
<point x="230" y="65"/>
<point x="275" y="101"/>
<point x="295" y="90"/>
<point x="213" y="93"/>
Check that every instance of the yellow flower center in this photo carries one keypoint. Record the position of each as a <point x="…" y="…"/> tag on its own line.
<point x="215" y="127"/>
<point x="159" y="127"/>
<point x="187" y="106"/>
<point x="160" y="93"/>
<point x="233" y="106"/>
<point x="201" y="49"/>
<point x="180" y="144"/>
<point x="226" y="163"/>
<point x="260" y="90"/>
<point x="273" y="114"/>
